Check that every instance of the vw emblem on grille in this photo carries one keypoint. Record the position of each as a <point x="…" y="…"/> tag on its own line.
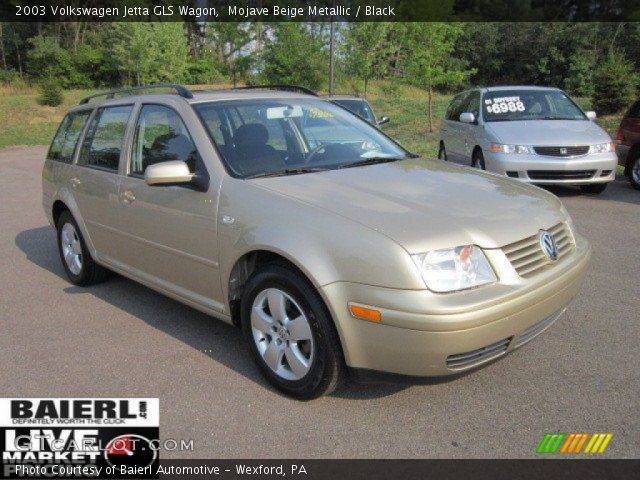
<point x="563" y="150"/>
<point x="549" y="245"/>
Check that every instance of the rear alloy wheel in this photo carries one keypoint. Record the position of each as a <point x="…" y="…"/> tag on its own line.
<point x="478" y="160"/>
<point x="594" y="188"/>
<point x="634" y="173"/>
<point x="290" y="333"/>
<point x="76" y="259"/>
<point x="442" y="153"/>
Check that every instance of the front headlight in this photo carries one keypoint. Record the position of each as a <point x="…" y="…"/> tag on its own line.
<point x="500" y="148"/>
<point x="453" y="269"/>
<point x="603" y="148"/>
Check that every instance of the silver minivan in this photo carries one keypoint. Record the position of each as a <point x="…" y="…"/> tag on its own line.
<point x="535" y="134"/>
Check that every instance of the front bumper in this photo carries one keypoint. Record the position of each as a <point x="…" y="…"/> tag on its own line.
<point x="602" y="167"/>
<point x="425" y="334"/>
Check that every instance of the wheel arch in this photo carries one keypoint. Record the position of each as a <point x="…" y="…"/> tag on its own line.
<point x="249" y="262"/>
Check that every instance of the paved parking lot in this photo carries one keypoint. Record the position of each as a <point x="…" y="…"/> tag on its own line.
<point x="120" y="339"/>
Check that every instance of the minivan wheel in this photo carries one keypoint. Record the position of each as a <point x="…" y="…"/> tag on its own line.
<point x="478" y="160"/>
<point x="290" y="333"/>
<point x="594" y="188"/>
<point x="442" y="153"/>
<point x="634" y="173"/>
<point x="76" y="259"/>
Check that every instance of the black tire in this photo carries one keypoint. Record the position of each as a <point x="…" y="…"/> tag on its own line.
<point x="442" y="153"/>
<point x="327" y="369"/>
<point x="594" y="188"/>
<point x="478" y="160"/>
<point x="90" y="272"/>
<point x="634" y="165"/>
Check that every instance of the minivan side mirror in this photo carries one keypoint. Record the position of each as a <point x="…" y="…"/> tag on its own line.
<point x="383" y="120"/>
<point x="467" y="117"/>
<point x="168" y="173"/>
<point x="591" y="115"/>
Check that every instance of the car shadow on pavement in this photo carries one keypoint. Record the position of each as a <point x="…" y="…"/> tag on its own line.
<point x="619" y="190"/>
<point x="219" y="341"/>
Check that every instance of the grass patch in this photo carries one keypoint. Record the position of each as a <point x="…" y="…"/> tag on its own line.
<point x="24" y="122"/>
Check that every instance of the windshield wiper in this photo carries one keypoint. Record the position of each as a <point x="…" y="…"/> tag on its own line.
<point x="372" y="161"/>
<point x="551" y="117"/>
<point x="288" y="171"/>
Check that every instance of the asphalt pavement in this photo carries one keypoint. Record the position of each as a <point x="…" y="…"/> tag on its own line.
<point x="120" y="339"/>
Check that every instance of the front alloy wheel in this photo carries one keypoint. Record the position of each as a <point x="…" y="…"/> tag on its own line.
<point x="290" y="332"/>
<point x="282" y="334"/>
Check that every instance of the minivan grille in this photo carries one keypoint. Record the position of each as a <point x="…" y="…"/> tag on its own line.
<point x="560" y="174"/>
<point x="528" y="259"/>
<point x="478" y="356"/>
<point x="562" y="151"/>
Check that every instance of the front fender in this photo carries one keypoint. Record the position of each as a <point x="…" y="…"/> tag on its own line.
<point x="327" y="247"/>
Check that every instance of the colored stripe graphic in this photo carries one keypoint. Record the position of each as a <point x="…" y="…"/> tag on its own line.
<point x="572" y="443"/>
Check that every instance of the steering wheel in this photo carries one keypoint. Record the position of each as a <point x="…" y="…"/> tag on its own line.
<point x="314" y="152"/>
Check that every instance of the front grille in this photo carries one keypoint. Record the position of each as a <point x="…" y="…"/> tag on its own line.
<point x="606" y="173"/>
<point x="560" y="174"/>
<point x="528" y="259"/>
<point x="562" y="151"/>
<point x="478" y="356"/>
<point x="532" y="332"/>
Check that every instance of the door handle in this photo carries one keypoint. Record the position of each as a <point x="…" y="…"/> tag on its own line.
<point x="75" y="182"/>
<point x="128" y="196"/>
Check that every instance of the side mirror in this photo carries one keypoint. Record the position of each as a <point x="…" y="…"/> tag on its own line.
<point x="168" y="173"/>
<point x="591" y="115"/>
<point x="467" y="117"/>
<point x="383" y="120"/>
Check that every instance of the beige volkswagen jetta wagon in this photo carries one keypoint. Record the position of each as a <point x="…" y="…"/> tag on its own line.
<point x="330" y="245"/>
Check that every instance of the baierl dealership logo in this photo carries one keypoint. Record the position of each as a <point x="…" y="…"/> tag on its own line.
<point x="79" y="438"/>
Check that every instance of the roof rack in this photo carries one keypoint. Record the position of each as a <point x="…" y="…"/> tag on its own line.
<point x="285" y="88"/>
<point x="180" y="90"/>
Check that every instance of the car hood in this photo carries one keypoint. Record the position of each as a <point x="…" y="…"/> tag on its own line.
<point x="548" y="132"/>
<point x="426" y="204"/>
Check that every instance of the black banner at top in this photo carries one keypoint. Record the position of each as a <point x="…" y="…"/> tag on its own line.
<point x="320" y="10"/>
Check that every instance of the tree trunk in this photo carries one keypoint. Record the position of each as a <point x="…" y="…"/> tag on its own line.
<point x="15" y="42"/>
<point x="429" y="109"/>
<point x="4" y="58"/>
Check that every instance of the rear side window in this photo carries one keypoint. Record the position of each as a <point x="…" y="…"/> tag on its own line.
<point x="634" y="112"/>
<point x="161" y="136"/>
<point x="64" y="143"/>
<point x="103" y="142"/>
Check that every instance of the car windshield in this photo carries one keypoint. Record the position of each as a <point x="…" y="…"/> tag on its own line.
<point x="291" y="136"/>
<point x="357" y="106"/>
<point x="515" y="105"/>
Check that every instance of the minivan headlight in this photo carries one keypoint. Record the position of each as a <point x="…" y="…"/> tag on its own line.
<point x="452" y="269"/>
<point x="603" y="147"/>
<point x="500" y="148"/>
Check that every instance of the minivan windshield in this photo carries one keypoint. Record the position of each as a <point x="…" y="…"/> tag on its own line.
<point x="522" y="104"/>
<point x="264" y="137"/>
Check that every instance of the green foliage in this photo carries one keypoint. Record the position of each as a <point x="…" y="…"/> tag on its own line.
<point x="295" y="56"/>
<point x="614" y="84"/>
<point x="150" y="52"/>
<point x="50" y="92"/>
<point x="366" y="50"/>
<point x="202" y="70"/>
